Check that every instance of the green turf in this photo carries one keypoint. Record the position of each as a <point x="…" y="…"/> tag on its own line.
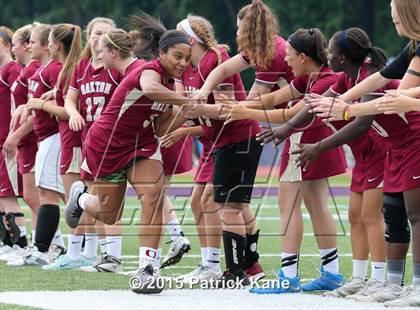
<point x="33" y="278"/>
<point x="16" y="307"/>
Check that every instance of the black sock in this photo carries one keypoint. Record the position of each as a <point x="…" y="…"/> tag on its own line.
<point x="46" y="226"/>
<point x="4" y="233"/>
<point x="234" y="246"/>
<point x="251" y="252"/>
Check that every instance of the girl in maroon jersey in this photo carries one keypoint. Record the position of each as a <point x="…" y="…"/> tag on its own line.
<point x="263" y="49"/>
<point x="121" y="146"/>
<point x="65" y="41"/>
<point x="236" y="156"/>
<point x="176" y="159"/>
<point x="26" y="146"/>
<point x="47" y="166"/>
<point x="12" y="230"/>
<point x="90" y="89"/>
<point x="305" y="53"/>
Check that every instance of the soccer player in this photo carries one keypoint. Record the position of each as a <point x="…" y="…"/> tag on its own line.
<point x="121" y="146"/>
<point x="305" y="53"/>
<point x="12" y="229"/>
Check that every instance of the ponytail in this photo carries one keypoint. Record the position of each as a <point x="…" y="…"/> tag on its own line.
<point x="355" y="44"/>
<point x="70" y="36"/>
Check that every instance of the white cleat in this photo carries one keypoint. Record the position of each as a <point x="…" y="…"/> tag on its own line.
<point x="409" y="298"/>
<point x="105" y="263"/>
<point x="354" y="285"/>
<point x="198" y="275"/>
<point x="55" y="251"/>
<point x="5" y="251"/>
<point x="146" y="281"/>
<point x="366" y="293"/>
<point x="16" y="256"/>
<point x="389" y="292"/>
<point x="176" y="250"/>
<point x="32" y="257"/>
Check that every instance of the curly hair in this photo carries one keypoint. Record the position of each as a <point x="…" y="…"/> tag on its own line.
<point x="257" y="32"/>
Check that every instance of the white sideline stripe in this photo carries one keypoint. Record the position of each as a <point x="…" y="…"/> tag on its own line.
<point x="178" y="299"/>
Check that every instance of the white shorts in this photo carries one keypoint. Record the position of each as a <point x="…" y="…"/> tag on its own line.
<point x="47" y="164"/>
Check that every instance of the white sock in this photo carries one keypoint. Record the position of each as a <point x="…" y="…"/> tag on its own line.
<point x="22" y="230"/>
<point x="74" y="246"/>
<point x="213" y="259"/>
<point x="33" y="237"/>
<point x="289" y="264"/>
<point x="329" y="259"/>
<point x="157" y="259"/>
<point x="378" y="271"/>
<point x="82" y="200"/>
<point x="360" y="268"/>
<point x="147" y="256"/>
<point x="113" y="246"/>
<point x="174" y="229"/>
<point x="91" y="245"/>
<point x="58" y="238"/>
<point x="102" y="243"/>
<point x="203" y="256"/>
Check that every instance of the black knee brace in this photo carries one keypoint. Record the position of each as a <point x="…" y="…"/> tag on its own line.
<point x="397" y="229"/>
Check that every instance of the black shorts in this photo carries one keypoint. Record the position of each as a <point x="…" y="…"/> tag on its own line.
<point x="235" y="167"/>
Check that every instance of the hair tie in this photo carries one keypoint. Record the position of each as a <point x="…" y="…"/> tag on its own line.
<point x="185" y="24"/>
<point x="311" y="31"/>
<point x="73" y="28"/>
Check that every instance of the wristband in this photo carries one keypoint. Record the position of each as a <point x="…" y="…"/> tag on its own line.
<point x="346" y="113"/>
<point x="42" y="105"/>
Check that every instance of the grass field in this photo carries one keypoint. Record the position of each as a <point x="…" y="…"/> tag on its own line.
<point x="34" y="279"/>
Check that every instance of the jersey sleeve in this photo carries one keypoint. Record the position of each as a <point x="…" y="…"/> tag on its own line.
<point x="300" y="84"/>
<point x="339" y="87"/>
<point x="397" y="68"/>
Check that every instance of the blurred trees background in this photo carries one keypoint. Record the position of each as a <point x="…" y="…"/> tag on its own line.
<point x="328" y="15"/>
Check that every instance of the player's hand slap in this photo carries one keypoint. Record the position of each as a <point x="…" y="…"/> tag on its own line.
<point x="307" y="153"/>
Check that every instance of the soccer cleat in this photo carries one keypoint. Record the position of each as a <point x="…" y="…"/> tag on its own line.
<point x="146" y="281"/>
<point x="282" y="285"/>
<point x="5" y="251"/>
<point x="255" y="272"/>
<point x="55" y="251"/>
<point x="231" y="281"/>
<point x="86" y="261"/>
<point x="366" y="293"/>
<point x="326" y="282"/>
<point x="73" y="211"/>
<point x="32" y="257"/>
<point x="105" y="263"/>
<point x="354" y="285"/>
<point x="409" y="298"/>
<point x="176" y="250"/>
<point x="390" y="291"/>
<point x="12" y="227"/>
<point x="63" y="262"/>
<point x="15" y="257"/>
<point x="200" y="274"/>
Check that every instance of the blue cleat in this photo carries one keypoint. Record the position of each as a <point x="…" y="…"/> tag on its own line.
<point x="283" y="285"/>
<point x="86" y="261"/>
<point x="326" y="282"/>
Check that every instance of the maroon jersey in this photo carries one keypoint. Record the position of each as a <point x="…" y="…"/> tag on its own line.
<point x="125" y="129"/>
<point x="329" y="163"/>
<point x="95" y="88"/>
<point x="43" y="80"/>
<point x="369" y="150"/>
<point x="193" y="79"/>
<point x="8" y="74"/>
<point x="277" y="71"/>
<point x="20" y="95"/>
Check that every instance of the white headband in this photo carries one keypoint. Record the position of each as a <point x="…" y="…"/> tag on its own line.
<point x="187" y="27"/>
